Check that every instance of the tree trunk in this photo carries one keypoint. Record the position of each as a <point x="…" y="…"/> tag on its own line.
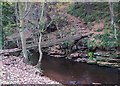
<point x="1" y="29"/>
<point x="118" y="17"/>
<point x="40" y="38"/>
<point x="23" y="40"/>
<point x="24" y="49"/>
<point x="111" y="13"/>
<point x="88" y="8"/>
<point x="40" y="51"/>
<point x="112" y="18"/>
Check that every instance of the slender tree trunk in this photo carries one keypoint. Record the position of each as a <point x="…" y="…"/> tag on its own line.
<point x="88" y="8"/>
<point x="40" y="51"/>
<point x="111" y="13"/>
<point x="118" y="16"/>
<point x="112" y="18"/>
<point x="23" y="40"/>
<point x="40" y="38"/>
<point x="1" y="27"/>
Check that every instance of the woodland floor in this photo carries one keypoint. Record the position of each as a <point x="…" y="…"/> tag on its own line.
<point x="14" y="71"/>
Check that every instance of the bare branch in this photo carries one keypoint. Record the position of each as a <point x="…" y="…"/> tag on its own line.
<point x="28" y="11"/>
<point x="26" y="6"/>
<point x="42" y="12"/>
<point x="16" y="11"/>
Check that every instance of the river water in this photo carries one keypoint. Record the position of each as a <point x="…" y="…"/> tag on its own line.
<point x="69" y="72"/>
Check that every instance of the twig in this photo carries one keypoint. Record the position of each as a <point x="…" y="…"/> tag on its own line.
<point x="28" y="11"/>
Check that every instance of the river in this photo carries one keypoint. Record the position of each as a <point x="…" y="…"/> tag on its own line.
<point x="70" y="72"/>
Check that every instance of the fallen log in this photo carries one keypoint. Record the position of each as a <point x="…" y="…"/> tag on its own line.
<point x="9" y="51"/>
<point x="47" y="43"/>
<point x="58" y="41"/>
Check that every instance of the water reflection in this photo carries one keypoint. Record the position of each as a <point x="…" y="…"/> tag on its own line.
<point x="69" y="72"/>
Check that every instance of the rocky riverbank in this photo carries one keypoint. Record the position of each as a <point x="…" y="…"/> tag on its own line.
<point x="101" y="58"/>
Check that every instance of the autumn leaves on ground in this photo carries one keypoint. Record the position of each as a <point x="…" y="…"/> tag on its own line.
<point x="14" y="71"/>
<point x="68" y="23"/>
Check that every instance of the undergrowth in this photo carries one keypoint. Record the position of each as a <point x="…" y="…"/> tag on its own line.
<point x="100" y="12"/>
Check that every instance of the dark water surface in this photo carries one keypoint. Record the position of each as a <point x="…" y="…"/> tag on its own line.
<point x="69" y="72"/>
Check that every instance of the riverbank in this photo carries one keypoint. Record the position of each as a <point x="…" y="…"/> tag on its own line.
<point x="69" y="72"/>
<point x="14" y="71"/>
<point x="108" y="58"/>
